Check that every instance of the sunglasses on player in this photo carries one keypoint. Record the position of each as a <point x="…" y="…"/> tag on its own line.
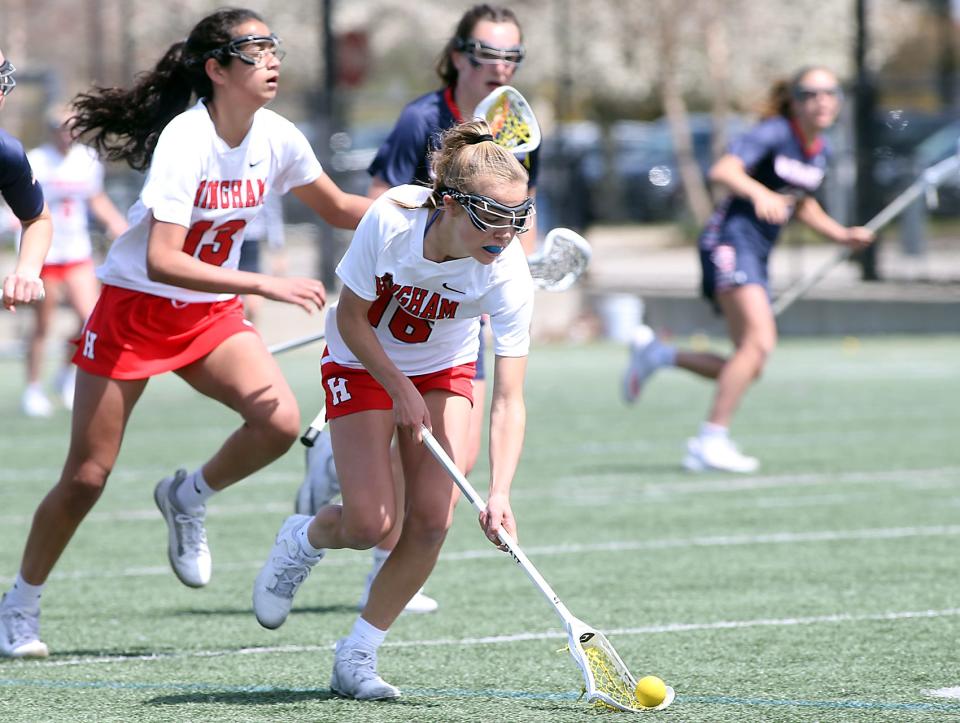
<point x="250" y="49"/>
<point x="7" y="81"/>
<point x="480" y="53"/>
<point x="485" y="213"/>
<point x="804" y="93"/>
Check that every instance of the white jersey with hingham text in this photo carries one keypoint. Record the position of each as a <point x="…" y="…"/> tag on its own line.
<point x="426" y="314"/>
<point x="199" y="182"/>
<point x="69" y="182"/>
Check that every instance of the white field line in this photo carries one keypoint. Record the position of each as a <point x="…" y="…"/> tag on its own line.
<point x="721" y="484"/>
<point x="916" y="478"/>
<point x="953" y="692"/>
<point x="709" y="541"/>
<point x="521" y="637"/>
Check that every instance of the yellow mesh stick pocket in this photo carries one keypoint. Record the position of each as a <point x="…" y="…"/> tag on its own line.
<point x="508" y="129"/>
<point x="607" y="679"/>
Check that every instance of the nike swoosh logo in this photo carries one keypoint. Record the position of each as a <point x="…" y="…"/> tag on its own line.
<point x="256" y="163"/>
<point x="450" y="288"/>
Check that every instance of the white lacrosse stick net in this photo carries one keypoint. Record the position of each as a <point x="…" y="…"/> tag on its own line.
<point x="561" y="260"/>
<point x="510" y="118"/>
<point x="607" y="682"/>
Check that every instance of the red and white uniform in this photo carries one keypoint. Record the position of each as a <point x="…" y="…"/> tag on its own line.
<point x="197" y="181"/>
<point x="140" y="327"/>
<point x="425" y="314"/>
<point x="69" y="182"/>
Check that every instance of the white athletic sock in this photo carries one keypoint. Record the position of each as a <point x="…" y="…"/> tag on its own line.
<point x="305" y="546"/>
<point x="193" y="493"/>
<point x="708" y="430"/>
<point x="23" y="595"/>
<point x="365" y="636"/>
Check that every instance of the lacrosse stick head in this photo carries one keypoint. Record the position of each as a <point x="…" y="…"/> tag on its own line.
<point x="560" y="261"/>
<point x="607" y="681"/>
<point x="510" y="118"/>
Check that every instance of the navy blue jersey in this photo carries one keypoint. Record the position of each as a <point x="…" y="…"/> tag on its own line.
<point x="17" y="185"/>
<point x="773" y="154"/>
<point x="404" y="156"/>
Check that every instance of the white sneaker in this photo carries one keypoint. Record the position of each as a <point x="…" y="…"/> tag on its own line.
<point x="34" y="402"/>
<point x="355" y="675"/>
<point x="320" y="483"/>
<point x="419" y="603"/>
<point x="20" y="633"/>
<point x="641" y="363"/>
<point x="186" y="538"/>
<point x="66" y="382"/>
<point x="281" y="575"/>
<point x="717" y="453"/>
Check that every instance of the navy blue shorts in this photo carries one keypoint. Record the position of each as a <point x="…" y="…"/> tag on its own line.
<point x="726" y="267"/>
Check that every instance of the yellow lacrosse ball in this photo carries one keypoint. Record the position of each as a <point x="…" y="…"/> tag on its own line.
<point x="650" y="691"/>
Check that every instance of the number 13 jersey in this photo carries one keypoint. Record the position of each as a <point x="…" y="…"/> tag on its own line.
<point x="196" y="180"/>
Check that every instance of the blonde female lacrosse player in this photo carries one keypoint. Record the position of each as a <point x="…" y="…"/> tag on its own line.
<point x="771" y="172"/>
<point x="483" y="54"/>
<point x="424" y="264"/>
<point x="169" y="301"/>
<point x="24" y="196"/>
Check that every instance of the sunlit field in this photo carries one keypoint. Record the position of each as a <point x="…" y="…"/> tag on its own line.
<point x="822" y="588"/>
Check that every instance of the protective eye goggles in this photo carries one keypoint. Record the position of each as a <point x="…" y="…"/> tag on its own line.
<point x="479" y="53"/>
<point x="250" y="49"/>
<point x="803" y="93"/>
<point x="485" y="213"/>
<point x="7" y="81"/>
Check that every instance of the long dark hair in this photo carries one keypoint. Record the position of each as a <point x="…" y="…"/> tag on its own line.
<point x="124" y="124"/>
<point x="494" y="13"/>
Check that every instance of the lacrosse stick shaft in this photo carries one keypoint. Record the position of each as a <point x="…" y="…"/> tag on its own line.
<point x="933" y="176"/>
<point x="295" y="343"/>
<point x="309" y="437"/>
<point x="477" y="501"/>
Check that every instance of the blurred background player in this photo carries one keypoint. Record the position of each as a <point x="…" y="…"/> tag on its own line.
<point x="395" y="361"/>
<point x="24" y="196"/>
<point x="169" y="300"/>
<point x="771" y="172"/>
<point x="263" y="236"/>
<point x="484" y="53"/>
<point x="72" y="180"/>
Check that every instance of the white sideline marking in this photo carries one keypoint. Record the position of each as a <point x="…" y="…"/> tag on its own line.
<point x="726" y="484"/>
<point x="523" y="637"/>
<point x="944" y="692"/>
<point x="772" y="538"/>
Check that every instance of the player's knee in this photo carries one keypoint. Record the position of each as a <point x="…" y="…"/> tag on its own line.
<point x="368" y="531"/>
<point x="280" y="431"/>
<point x="427" y="530"/>
<point x="85" y="485"/>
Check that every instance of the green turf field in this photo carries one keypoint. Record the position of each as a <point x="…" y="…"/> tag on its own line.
<point x="823" y="588"/>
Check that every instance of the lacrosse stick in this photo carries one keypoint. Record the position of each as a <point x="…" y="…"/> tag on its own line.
<point x="560" y="261"/>
<point x="295" y="343"/>
<point x="929" y="180"/>
<point x="309" y="437"/>
<point x="607" y="681"/>
<point x="510" y="118"/>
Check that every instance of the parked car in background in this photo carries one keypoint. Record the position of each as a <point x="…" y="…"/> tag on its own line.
<point x="629" y="173"/>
